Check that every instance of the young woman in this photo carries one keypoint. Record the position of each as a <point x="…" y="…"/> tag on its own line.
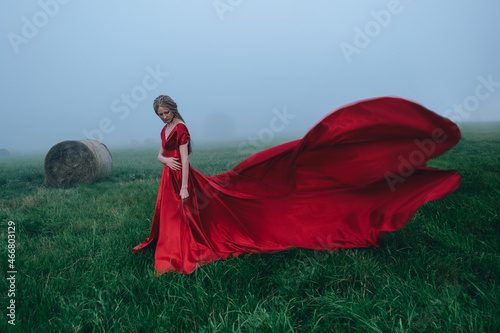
<point x="357" y="174"/>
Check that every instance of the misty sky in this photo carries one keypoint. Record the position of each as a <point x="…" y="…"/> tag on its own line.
<point x="236" y="68"/>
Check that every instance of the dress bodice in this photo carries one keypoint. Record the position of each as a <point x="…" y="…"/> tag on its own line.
<point x="177" y="137"/>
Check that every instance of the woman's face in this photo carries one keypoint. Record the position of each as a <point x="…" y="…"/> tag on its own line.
<point x="165" y="114"/>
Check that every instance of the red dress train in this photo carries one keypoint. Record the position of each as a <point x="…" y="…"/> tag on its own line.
<point x="357" y="174"/>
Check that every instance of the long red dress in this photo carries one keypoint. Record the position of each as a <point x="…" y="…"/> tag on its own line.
<point x="357" y="174"/>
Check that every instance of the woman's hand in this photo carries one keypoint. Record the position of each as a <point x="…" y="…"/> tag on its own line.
<point x="184" y="195"/>
<point x="172" y="162"/>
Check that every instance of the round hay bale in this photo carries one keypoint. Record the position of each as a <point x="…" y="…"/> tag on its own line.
<point x="77" y="161"/>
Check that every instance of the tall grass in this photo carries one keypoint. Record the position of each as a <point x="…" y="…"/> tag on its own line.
<point x="76" y="273"/>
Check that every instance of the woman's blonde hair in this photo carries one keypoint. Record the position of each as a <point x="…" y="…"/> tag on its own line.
<point x="168" y="103"/>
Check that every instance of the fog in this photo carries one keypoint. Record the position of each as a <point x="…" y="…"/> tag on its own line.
<point x="72" y="70"/>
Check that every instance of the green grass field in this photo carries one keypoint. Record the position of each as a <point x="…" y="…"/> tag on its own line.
<point x="75" y="271"/>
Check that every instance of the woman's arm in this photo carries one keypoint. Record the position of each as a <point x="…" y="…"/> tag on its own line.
<point x="160" y="155"/>
<point x="171" y="162"/>
<point x="183" y="149"/>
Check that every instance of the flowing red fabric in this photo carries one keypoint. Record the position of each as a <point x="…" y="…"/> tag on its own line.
<point x="357" y="174"/>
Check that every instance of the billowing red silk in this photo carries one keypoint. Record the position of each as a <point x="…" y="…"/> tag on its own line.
<point x="357" y="174"/>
